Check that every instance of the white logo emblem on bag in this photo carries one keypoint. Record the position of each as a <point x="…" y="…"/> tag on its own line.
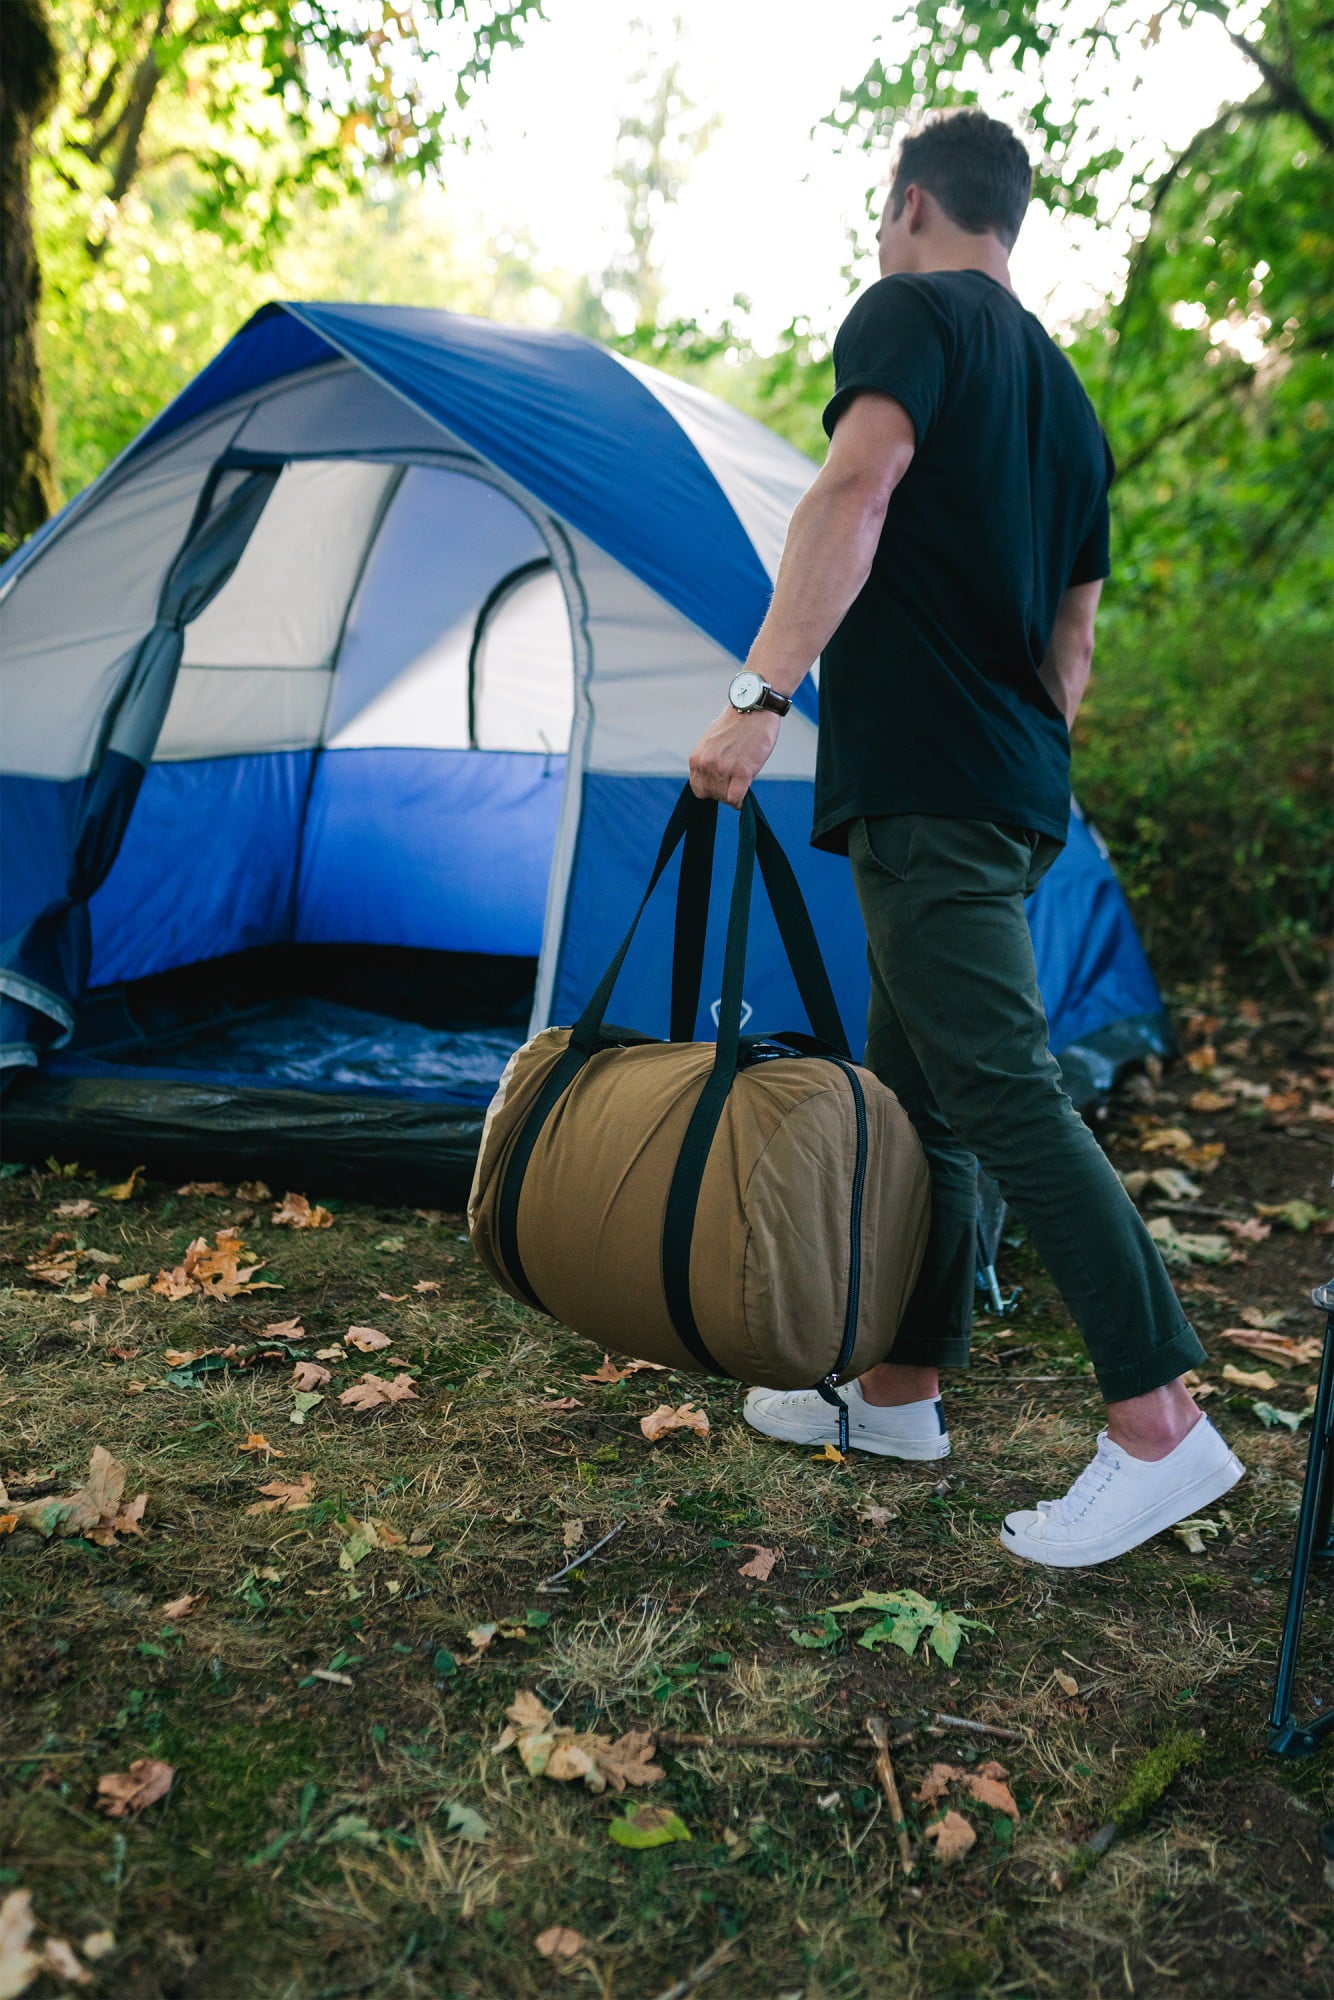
<point x="746" y="1011"/>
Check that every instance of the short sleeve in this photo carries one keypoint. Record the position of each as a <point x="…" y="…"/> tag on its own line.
<point x="1094" y="558"/>
<point x="897" y="341"/>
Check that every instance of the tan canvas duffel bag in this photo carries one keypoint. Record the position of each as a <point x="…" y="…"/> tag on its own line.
<point x="755" y="1208"/>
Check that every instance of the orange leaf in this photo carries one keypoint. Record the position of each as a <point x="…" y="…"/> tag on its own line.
<point x="308" y="1375"/>
<point x="367" y="1339"/>
<point x="372" y="1392"/>
<point x="953" y="1837"/>
<point x="256" y="1441"/>
<point x="203" y="1187"/>
<point x="658" y="1423"/>
<point x="285" y="1497"/>
<point x="181" y="1607"/>
<point x="295" y="1212"/>
<point x="283" y="1329"/>
<point x="559" y="1942"/>
<point x="121" y="1793"/>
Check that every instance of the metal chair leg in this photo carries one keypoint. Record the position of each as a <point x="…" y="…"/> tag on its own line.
<point x="1315" y="1537"/>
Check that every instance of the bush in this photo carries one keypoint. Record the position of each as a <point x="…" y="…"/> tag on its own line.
<point x="1202" y="755"/>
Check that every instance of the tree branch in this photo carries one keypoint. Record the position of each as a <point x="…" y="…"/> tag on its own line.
<point x="1287" y="91"/>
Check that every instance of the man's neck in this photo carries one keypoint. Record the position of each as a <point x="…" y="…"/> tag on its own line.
<point x="962" y="252"/>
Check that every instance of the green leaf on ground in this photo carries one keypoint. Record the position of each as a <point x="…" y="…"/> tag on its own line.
<point x="910" y="1617"/>
<point x="1269" y="1415"/>
<point x="466" y="1823"/>
<point x="648" y="1826"/>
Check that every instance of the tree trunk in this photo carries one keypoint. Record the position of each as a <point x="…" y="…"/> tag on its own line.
<point x="29" y="77"/>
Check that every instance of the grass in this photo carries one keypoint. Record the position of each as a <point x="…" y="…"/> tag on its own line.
<point x="305" y="1850"/>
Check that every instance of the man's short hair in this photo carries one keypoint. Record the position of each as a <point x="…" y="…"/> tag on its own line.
<point x="975" y="166"/>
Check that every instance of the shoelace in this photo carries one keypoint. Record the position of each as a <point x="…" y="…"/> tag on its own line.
<point x="1101" y="1469"/>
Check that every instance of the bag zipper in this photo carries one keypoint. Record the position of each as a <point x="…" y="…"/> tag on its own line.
<point x="827" y="1385"/>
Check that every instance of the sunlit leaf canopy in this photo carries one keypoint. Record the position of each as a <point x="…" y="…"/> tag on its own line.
<point x="262" y="97"/>
<point x="1210" y="369"/>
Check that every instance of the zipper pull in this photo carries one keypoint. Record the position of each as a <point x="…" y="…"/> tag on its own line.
<point x="825" y="1389"/>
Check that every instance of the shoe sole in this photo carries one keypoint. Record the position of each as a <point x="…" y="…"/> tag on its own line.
<point x="916" y="1449"/>
<point x="1201" y="1493"/>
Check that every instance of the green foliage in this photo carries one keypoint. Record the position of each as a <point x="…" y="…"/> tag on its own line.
<point x="906" y="1617"/>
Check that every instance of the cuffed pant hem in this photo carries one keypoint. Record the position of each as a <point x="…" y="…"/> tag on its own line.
<point x="1157" y="1366"/>
<point x="920" y="1350"/>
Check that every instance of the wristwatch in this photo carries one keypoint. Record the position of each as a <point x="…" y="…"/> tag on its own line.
<point x="749" y="691"/>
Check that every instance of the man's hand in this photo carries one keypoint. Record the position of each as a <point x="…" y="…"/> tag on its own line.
<point x="731" y="753"/>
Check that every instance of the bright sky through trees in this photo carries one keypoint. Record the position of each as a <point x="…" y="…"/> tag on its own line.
<point x="768" y="209"/>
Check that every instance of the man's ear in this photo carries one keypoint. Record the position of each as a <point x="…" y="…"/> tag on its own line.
<point x="915" y="207"/>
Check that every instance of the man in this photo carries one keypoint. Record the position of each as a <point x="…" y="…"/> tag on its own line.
<point x="946" y="566"/>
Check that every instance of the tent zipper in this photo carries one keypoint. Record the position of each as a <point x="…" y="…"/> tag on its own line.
<point x="826" y="1387"/>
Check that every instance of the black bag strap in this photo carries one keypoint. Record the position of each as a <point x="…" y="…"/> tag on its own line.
<point x="693" y="821"/>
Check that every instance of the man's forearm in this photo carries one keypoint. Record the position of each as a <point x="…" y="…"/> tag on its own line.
<point x="1065" y="674"/>
<point x="831" y="542"/>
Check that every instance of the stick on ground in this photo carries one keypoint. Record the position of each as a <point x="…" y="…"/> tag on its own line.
<point x="676" y="1739"/>
<point x="553" y="1580"/>
<point x="703" y="1971"/>
<point x="980" y="1728"/>
<point x="884" y="1770"/>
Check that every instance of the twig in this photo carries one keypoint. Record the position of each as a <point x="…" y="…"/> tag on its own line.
<point x="948" y="1722"/>
<point x="1201" y="1208"/>
<point x="675" y="1739"/>
<point x="715" y="1960"/>
<point x="583" y="1558"/>
<point x="884" y="1770"/>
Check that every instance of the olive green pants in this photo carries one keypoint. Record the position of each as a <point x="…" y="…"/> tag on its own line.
<point x="957" y="1031"/>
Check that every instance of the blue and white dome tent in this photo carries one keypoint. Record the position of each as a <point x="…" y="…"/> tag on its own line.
<point x="342" y="715"/>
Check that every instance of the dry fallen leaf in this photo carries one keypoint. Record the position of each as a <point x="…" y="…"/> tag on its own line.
<point x="181" y="1607"/>
<point x="19" y="1964"/>
<point x="559" y="1942"/>
<point x="1258" y="1379"/>
<point x="254" y="1191"/>
<point x="121" y="1793"/>
<point x="553" y="1751"/>
<point x="295" y="1212"/>
<point x="58" y="1958"/>
<point x="124" y="1190"/>
<point x="203" y="1187"/>
<point x="98" y="1944"/>
<point x="1210" y="1100"/>
<point x="983" y="1782"/>
<point x="571" y="1533"/>
<point x="283" y="1329"/>
<point x="561" y="1403"/>
<point x="1280" y="1347"/>
<point x="761" y="1564"/>
<point x="373" y="1391"/>
<point x="77" y="1211"/>
<point x="1252" y="1230"/>
<point x="93" y="1510"/>
<point x="217" y="1273"/>
<point x="256" y="1441"/>
<point x="658" y="1423"/>
<point x="952" y="1835"/>
<point x="828" y="1454"/>
<point x="428" y="1284"/>
<point x="612" y="1371"/>
<point x="367" y="1339"/>
<point x="134" y="1284"/>
<point x="285" y="1496"/>
<point x="309" y="1375"/>
<point x="1065" y="1682"/>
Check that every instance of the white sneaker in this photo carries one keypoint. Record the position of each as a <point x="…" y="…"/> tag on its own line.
<point x="801" y="1416"/>
<point x="1118" y="1501"/>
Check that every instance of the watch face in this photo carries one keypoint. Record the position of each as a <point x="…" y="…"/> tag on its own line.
<point x="745" y="690"/>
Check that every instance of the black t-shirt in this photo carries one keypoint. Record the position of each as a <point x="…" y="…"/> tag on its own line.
<point x="930" y="700"/>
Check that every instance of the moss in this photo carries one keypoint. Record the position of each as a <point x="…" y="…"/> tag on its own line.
<point x="1154" y="1775"/>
